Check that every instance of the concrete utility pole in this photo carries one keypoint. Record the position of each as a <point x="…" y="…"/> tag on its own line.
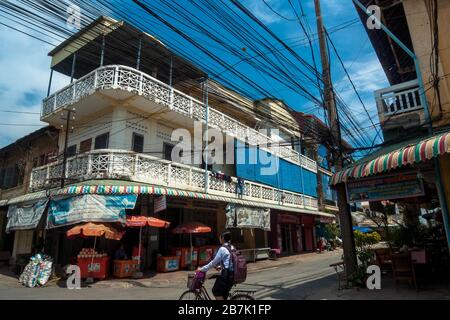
<point x="330" y="103"/>
<point x="66" y="139"/>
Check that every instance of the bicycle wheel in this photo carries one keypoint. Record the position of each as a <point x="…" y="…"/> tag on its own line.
<point x="191" y="295"/>
<point x="242" y="296"/>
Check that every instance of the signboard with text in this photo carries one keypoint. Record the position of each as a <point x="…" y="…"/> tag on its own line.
<point x="398" y="186"/>
<point x="160" y="204"/>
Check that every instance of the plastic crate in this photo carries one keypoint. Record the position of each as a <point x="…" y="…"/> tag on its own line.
<point x="125" y="268"/>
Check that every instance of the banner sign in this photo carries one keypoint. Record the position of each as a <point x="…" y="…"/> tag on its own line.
<point x="25" y="216"/>
<point x="89" y="208"/>
<point x="247" y="217"/>
<point x="160" y="204"/>
<point x="405" y="185"/>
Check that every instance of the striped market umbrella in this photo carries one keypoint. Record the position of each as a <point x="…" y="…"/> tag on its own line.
<point x="191" y="228"/>
<point x="143" y="221"/>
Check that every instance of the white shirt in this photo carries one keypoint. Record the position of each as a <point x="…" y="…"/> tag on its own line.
<point x="224" y="256"/>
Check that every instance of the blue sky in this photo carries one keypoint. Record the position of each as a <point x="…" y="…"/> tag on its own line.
<point x="25" y="65"/>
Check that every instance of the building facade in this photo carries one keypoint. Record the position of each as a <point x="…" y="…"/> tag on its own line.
<point x="17" y="162"/>
<point x="138" y="116"/>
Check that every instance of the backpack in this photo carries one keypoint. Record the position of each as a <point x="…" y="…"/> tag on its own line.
<point x="239" y="265"/>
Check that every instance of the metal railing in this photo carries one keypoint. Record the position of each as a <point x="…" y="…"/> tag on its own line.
<point x="132" y="80"/>
<point x="398" y="99"/>
<point x="130" y="166"/>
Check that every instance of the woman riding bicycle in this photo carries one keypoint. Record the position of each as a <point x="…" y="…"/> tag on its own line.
<point x="224" y="282"/>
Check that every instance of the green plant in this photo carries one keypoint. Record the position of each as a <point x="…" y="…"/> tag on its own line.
<point x="332" y="230"/>
<point x="363" y="243"/>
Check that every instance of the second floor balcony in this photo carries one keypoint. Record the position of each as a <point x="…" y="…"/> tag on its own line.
<point x="124" y="84"/>
<point x="141" y="168"/>
<point x="399" y="106"/>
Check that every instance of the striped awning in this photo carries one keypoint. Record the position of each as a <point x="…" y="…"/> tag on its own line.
<point x="148" y="189"/>
<point x="407" y="155"/>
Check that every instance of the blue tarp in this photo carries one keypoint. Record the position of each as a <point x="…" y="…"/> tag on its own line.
<point x="254" y="164"/>
<point x="362" y="229"/>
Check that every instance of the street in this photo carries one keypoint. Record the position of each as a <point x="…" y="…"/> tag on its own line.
<point x="303" y="277"/>
<point x="270" y="283"/>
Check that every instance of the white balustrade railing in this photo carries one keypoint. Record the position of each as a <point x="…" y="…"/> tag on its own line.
<point x="129" y="79"/>
<point x="398" y="99"/>
<point x="126" y="165"/>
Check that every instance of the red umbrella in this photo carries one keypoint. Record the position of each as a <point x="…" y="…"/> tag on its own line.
<point x="143" y="221"/>
<point x="190" y="228"/>
<point x="91" y="229"/>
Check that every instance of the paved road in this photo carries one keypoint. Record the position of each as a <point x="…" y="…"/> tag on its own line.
<point x="306" y="278"/>
<point x="272" y="283"/>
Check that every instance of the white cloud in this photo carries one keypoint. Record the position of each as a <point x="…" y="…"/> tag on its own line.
<point x="23" y="82"/>
<point x="368" y="76"/>
<point x="263" y="12"/>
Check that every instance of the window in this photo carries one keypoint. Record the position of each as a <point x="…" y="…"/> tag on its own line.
<point x="11" y="177"/>
<point x="137" y="143"/>
<point x="71" y="150"/>
<point x="85" y="145"/>
<point x="167" y="150"/>
<point x="102" y="141"/>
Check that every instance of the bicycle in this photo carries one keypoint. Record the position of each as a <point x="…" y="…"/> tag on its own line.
<point x="198" y="292"/>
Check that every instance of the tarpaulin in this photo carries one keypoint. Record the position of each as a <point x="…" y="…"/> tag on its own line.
<point x="89" y="208"/>
<point x="247" y="217"/>
<point x="25" y="216"/>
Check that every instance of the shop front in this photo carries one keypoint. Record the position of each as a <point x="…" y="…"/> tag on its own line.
<point x="409" y="177"/>
<point x="286" y="234"/>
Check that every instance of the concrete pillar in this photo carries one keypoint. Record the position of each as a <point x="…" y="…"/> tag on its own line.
<point x="119" y="133"/>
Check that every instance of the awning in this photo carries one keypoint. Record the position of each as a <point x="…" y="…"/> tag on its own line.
<point x="408" y="154"/>
<point x="25" y="216"/>
<point x="148" y="189"/>
<point x="89" y="208"/>
<point x="29" y="197"/>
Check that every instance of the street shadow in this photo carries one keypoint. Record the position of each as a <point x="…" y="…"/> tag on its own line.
<point x="327" y="289"/>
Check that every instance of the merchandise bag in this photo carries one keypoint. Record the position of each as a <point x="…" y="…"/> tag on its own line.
<point x="37" y="271"/>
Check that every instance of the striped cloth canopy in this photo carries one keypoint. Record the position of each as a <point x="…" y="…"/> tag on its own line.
<point x="407" y="155"/>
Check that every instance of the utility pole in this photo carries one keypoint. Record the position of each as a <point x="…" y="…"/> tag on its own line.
<point x="66" y="139"/>
<point x="330" y="103"/>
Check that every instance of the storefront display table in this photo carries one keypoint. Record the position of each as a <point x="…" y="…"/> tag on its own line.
<point x="125" y="268"/>
<point x="96" y="268"/>
<point x="167" y="264"/>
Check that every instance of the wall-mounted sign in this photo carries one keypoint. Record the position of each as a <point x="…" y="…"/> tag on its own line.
<point x="247" y="217"/>
<point x="160" y="204"/>
<point x="398" y="186"/>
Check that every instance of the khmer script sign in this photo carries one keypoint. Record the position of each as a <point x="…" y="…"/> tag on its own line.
<point x="390" y="187"/>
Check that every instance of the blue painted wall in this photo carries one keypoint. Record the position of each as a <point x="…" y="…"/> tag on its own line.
<point x="329" y="193"/>
<point x="322" y="153"/>
<point x="288" y="177"/>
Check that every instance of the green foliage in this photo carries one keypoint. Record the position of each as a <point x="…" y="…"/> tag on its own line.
<point x="332" y="230"/>
<point x="401" y="236"/>
<point x="363" y="242"/>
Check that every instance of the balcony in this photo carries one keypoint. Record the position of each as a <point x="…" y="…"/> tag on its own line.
<point x="125" y="165"/>
<point x="400" y="106"/>
<point x="156" y="94"/>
